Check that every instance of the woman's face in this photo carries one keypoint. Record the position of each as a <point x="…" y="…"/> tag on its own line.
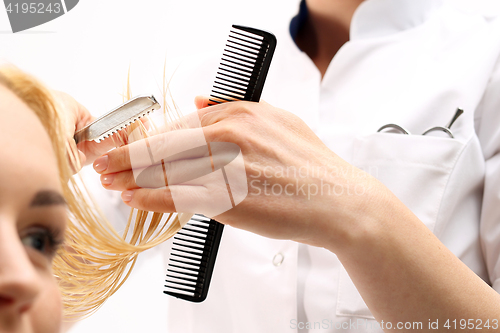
<point x="32" y="221"/>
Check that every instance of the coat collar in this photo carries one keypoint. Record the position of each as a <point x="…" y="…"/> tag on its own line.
<point x="378" y="18"/>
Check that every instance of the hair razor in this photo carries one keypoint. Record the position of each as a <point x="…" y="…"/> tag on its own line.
<point x="117" y="119"/>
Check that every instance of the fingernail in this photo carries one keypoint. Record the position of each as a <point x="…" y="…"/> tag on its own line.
<point x="101" y="164"/>
<point x="127" y="196"/>
<point x="107" y="179"/>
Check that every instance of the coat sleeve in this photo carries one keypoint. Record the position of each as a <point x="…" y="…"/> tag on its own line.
<point x="487" y="124"/>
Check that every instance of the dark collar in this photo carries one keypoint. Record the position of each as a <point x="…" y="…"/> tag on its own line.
<point x="298" y="20"/>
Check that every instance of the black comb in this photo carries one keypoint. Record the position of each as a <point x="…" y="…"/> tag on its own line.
<point x="244" y="66"/>
<point x="240" y="77"/>
<point x="192" y="259"/>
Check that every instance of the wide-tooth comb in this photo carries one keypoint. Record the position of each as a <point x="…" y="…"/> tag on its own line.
<point x="117" y="119"/>
<point x="192" y="259"/>
<point x="244" y="66"/>
<point x="240" y="77"/>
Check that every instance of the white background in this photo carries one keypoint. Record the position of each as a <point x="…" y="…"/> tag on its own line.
<point x="87" y="53"/>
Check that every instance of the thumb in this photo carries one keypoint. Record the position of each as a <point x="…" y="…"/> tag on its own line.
<point x="201" y="101"/>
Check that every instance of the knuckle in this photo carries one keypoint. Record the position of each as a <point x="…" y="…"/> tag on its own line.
<point x="201" y="115"/>
<point x="228" y="132"/>
<point x="165" y="198"/>
<point x="142" y="199"/>
<point x="246" y="109"/>
<point x="125" y="156"/>
<point x="130" y="181"/>
<point x="159" y="143"/>
<point x="118" y="158"/>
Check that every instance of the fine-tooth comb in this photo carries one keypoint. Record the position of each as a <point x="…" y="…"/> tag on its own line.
<point x="240" y="77"/>
<point x="117" y="119"/>
<point x="244" y="66"/>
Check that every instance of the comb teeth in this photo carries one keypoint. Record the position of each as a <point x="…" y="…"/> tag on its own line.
<point x="192" y="259"/>
<point x="122" y="127"/>
<point x="244" y="66"/>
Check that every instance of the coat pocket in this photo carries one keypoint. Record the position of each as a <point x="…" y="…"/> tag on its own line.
<point x="416" y="169"/>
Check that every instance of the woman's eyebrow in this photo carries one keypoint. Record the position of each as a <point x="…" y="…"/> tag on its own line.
<point x="47" y="197"/>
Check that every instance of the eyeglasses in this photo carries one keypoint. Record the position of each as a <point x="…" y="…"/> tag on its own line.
<point x="399" y="129"/>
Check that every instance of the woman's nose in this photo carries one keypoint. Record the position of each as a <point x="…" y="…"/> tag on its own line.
<point x="19" y="279"/>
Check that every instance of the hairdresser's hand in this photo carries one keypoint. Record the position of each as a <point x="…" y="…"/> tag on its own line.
<point x="403" y="272"/>
<point x="77" y="117"/>
<point x="297" y="188"/>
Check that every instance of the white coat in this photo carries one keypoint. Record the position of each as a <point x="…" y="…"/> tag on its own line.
<point x="408" y="62"/>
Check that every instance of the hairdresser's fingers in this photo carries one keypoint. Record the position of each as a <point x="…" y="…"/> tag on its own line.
<point x="75" y="114"/>
<point x="200" y="199"/>
<point x="76" y="117"/>
<point x="114" y="161"/>
<point x="187" y="172"/>
<point x="150" y="177"/>
<point x="120" y="181"/>
<point x="201" y="101"/>
<point x="82" y="158"/>
<point x="181" y="144"/>
<point x="92" y="150"/>
<point x="156" y="200"/>
<point x="221" y="123"/>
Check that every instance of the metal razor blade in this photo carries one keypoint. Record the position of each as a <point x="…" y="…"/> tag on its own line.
<point x="117" y="119"/>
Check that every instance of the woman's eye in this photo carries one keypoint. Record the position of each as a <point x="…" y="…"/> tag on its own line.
<point x="41" y="240"/>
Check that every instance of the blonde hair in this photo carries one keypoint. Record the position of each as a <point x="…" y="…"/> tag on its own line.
<point x="96" y="259"/>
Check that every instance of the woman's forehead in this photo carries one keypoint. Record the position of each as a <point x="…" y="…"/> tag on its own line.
<point x="27" y="163"/>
